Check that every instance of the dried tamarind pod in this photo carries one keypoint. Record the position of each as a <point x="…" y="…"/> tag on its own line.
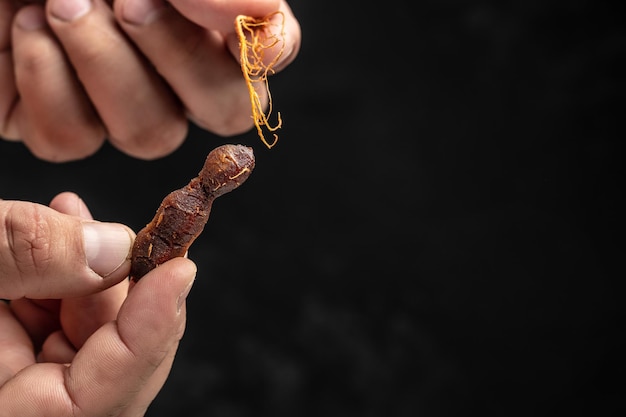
<point x="183" y="213"/>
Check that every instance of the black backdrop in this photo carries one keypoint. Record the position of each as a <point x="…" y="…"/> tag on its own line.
<point x="436" y="233"/>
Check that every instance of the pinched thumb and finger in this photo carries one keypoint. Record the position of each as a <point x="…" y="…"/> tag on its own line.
<point x="135" y="352"/>
<point x="122" y="366"/>
<point x="220" y="15"/>
<point x="47" y="254"/>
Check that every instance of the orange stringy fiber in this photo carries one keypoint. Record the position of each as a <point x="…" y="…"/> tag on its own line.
<point x="255" y="37"/>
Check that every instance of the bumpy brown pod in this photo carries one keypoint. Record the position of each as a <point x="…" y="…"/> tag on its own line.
<point x="183" y="213"/>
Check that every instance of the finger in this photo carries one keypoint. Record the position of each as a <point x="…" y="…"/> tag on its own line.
<point x="82" y="316"/>
<point x="38" y="317"/>
<point x="54" y="116"/>
<point x="219" y="14"/>
<point x="57" y="348"/>
<point x="150" y="390"/>
<point x="284" y="35"/>
<point x="123" y="356"/>
<point x="16" y="350"/>
<point x="142" y="116"/>
<point x="70" y="203"/>
<point x="8" y="97"/>
<point x="47" y="254"/>
<point x="194" y="62"/>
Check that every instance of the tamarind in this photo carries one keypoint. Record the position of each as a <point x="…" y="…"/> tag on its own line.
<point x="183" y="213"/>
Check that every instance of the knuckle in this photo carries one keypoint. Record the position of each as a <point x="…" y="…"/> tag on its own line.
<point x="154" y="141"/>
<point x="225" y="120"/>
<point x="27" y="239"/>
<point x="60" y="145"/>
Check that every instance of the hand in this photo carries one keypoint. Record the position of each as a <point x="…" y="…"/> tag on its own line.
<point x="78" y="72"/>
<point x="74" y="340"/>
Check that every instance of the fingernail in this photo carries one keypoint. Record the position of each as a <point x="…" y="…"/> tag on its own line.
<point x="107" y="246"/>
<point x="69" y="10"/>
<point x="141" y="12"/>
<point x="183" y="296"/>
<point x="285" y="59"/>
<point x="82" y="210"/>
<point x="31" y="18"/>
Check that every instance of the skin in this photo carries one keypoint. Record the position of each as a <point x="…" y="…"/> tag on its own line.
<point x="70" y="85"/>
<point x="103" y="348"/>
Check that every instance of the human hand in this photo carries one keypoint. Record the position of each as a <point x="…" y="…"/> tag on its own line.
<point x="73" y="339"/>
<point x="134" y="73"/>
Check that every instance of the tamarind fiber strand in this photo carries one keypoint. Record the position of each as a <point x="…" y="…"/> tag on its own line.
<point x="183" y="213"/>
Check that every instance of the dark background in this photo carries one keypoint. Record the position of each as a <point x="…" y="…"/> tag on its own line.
<point x="435" y="234"/>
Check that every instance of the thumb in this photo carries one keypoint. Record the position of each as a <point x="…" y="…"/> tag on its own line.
<point x="47" y="254"/>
